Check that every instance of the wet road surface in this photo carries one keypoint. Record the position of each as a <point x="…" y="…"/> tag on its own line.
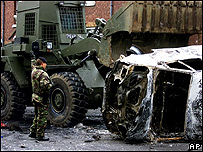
<point x="90" y="135"/>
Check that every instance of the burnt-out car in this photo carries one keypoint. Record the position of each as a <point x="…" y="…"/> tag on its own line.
<point x="156" y="95"/>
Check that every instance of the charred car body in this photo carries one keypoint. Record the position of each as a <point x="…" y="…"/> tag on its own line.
<point x="155" y="95"/>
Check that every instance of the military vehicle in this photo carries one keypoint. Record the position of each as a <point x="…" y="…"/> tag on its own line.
<point x="156" y="95"/>
<point x="51" y="29"/>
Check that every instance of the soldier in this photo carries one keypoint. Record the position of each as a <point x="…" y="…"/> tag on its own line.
<point x="41" y="85"/>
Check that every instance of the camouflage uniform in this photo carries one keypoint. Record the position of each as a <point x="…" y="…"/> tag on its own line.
<point x="41" y="85"/>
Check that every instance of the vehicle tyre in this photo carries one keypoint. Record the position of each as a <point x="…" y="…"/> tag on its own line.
<point x="12" y="100"/>
<point x="68" y="100"/>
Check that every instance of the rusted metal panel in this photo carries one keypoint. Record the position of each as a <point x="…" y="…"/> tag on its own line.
<point x="150" y="24"/>
<point x="167" y="17"/>
<point x="181" y="17"/>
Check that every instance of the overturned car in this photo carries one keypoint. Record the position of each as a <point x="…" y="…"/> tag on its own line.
<point x="155" y="95"/>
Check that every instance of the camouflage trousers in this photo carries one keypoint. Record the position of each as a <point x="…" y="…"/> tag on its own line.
<point x="40" y="120"/>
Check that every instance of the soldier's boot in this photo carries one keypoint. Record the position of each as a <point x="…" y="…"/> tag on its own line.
<point x="32" y="135"/>
<point x="42" y="138"/>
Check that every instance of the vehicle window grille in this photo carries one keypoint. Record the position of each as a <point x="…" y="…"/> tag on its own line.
<point x="30" y="24"/>
<point x="49" y="34"/>
<point x="72" y="20"/>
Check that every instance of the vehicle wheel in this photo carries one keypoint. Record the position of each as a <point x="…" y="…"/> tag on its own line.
<point x="68" y="100"/>
<point x="12" y="100"/>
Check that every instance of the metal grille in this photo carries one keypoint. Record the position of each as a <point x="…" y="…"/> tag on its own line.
<point x="72" y="20"/>
<point x="49" y="34"/>
<point x="30" y="24"/>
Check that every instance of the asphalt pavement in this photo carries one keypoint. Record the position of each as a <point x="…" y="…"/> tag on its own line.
<point x="90" y="135"/>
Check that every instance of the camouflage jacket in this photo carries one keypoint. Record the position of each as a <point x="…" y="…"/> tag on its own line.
<point x="41" y="83"/>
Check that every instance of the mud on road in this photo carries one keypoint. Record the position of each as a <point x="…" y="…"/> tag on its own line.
<point x="90" y="135"/>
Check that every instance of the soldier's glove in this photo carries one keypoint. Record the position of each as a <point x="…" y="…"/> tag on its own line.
<point x="32" y="55"/>
<point x="51" y="82"/>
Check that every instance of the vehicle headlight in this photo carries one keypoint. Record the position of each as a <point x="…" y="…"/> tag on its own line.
<point x="49" y="45"/>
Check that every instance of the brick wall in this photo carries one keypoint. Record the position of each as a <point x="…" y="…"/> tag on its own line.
<point x="10" y="7"/>
<point x="101" y="10"/>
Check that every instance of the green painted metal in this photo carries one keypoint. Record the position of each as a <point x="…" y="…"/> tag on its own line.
<point x="63" y="24"/>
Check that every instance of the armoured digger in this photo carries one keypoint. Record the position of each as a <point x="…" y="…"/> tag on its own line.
<point x="78" y="61"/>
<point x="51" y="29"/>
